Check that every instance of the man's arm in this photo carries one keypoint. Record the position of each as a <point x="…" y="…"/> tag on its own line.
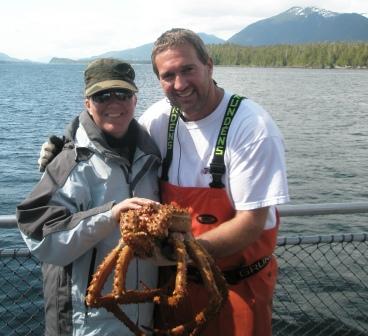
<point x="54" y="145"/>
<point x="236" y="234"/>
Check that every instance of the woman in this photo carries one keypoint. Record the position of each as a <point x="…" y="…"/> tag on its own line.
<point x="70" y="221"/>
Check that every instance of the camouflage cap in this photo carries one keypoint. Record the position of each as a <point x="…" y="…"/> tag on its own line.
<point x="108" y="73"/>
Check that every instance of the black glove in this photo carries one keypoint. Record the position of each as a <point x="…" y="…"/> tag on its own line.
<point x="49" y="150"/>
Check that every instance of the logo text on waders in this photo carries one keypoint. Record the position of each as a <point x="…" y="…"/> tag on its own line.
<point x="221" y="140"/>
<point x="171" y="131"/>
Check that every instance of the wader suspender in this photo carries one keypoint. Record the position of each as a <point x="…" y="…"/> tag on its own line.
<point x="217" y="166"/>
<point x="173" y="119"/>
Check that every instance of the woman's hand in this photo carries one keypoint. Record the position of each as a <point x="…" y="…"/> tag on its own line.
<point x="129" y="203"/>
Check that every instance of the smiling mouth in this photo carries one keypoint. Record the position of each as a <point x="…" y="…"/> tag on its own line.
<point x="113" y="115"/>
<point x="184" y="94"/>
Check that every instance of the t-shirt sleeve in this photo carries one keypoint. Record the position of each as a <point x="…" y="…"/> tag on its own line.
<point x="258" y="174"/>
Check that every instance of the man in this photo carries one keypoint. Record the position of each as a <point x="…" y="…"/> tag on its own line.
<point x="224" y="158"/>
<point x="70" y="221"/>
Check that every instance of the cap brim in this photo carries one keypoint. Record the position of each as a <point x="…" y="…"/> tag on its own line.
<point x="110" y="84"/>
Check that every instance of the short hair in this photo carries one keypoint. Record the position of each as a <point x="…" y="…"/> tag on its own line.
<point x="176" y="37"/>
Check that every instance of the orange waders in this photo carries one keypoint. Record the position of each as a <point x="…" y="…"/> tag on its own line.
<point x="248" y="310"/>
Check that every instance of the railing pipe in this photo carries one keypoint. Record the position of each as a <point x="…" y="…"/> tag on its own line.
<point x="8" y="222"/>
<point x="323" y="239"/>
<point x="287" y="210"/>
<point x="322" y="209"/>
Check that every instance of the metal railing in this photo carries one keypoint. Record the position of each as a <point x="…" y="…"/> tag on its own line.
<point x="9" y="221"/>
<point x="322" y="286"/>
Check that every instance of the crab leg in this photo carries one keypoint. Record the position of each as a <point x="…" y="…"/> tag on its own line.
<point x="211" y="277"/>
<point x="100" y="277"/>
<point x="122" y="263"/>
<point x="181" y="274"/>
<point x="203" y="261"/>
<point x="119" y="314"/>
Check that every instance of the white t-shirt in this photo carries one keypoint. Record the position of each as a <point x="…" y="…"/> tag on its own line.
<point x="254" y="157"/>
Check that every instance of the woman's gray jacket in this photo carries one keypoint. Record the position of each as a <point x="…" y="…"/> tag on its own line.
<point x="67" y="223"/>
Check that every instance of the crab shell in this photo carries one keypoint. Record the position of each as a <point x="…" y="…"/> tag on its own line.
<point x="141" y="229"/>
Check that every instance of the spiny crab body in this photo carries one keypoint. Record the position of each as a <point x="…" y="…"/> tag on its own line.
<point x="141" y="230"/>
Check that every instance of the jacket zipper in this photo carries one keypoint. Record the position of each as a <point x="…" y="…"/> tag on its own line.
<point x="90" y="275"/>
<point x="129" y="180"/>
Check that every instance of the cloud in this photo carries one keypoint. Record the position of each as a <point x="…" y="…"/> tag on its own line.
<point x="41" y="29"/>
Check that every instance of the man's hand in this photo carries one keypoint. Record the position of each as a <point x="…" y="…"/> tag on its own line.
<point x="49" y="150"/>
<point x="235" y="234"/>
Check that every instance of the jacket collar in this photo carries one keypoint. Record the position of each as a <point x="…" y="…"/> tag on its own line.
<point x="98" y="141"/>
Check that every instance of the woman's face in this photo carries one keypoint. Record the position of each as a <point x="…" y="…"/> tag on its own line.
<point x="112" y="110"/>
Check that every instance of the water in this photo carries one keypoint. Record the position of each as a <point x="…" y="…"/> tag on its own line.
<point x="323" y="115"/>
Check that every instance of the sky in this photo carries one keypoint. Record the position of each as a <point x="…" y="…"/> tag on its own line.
<point x="41" y="29"/>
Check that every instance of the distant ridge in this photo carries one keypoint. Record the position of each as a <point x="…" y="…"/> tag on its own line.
<point x="304" y="25"/>
<point x="60" y="60"/>
<point x="6" y="58"/>
<point x="143" y="53"/>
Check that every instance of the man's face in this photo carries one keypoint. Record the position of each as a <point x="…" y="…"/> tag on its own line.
<point x="185" y="80"/>
<point x="113" y="112"/>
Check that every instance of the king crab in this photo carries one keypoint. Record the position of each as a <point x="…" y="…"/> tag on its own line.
<point x="141" y="230"/>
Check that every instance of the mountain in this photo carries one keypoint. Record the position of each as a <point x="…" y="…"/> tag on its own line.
<point x="210" y="39"/>
<point x="6" y="58"/>
<point x="304" y="25"/>
<point x="143" y="53"/>
<point x="61" y="60"/>
<point x="138" y="54"/>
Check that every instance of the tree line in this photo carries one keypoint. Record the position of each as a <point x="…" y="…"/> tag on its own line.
<point x="316" y="55"/>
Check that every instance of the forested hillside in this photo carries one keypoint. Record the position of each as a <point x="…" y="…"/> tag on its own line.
<point x="318" y="55"/>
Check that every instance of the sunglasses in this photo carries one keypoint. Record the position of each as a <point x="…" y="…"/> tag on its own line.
<point x="104" y="96"/>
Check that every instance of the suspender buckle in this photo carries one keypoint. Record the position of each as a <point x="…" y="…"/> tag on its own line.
<point x="217" y="170"/>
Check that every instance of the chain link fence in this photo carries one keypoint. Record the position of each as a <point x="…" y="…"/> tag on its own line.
<point x="322" y="288"/>
<point x="21" y="298"/>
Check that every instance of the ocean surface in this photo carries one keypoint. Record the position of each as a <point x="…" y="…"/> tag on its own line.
<point x="323" y="115"/>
